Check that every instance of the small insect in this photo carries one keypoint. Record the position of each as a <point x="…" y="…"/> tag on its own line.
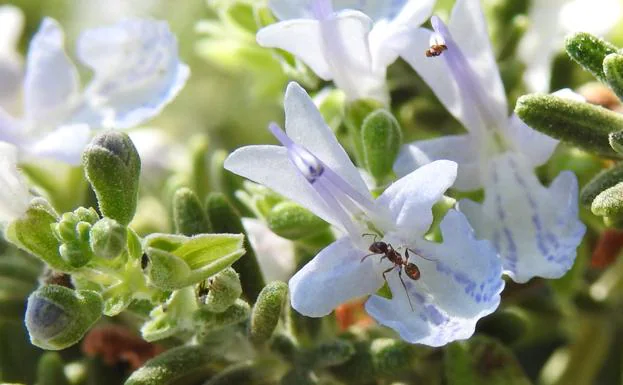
<point x="387" y="251"/>
<point x="435" y="50"/>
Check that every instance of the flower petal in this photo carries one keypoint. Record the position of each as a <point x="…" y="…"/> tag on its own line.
<point x="469" y="30"/>
<point x="271" y="167"/>
<point x="302" y="38"/>
<point x="275" y="254"/>
<point x="137" y="71"/>
<point x="460" y="282"/>
<point x="64" y="144"/>
<point x="334" y="276"/>
<point x="305" y="126"/>
<point x="14" y="195"/>
<point x="11" y="27"/>
<point x="536" y="147"/>
<point x="462" y="149"/>
<point x="535" y="230"/>
<point x="51" y="82"/>
<point x="411" y="198"/>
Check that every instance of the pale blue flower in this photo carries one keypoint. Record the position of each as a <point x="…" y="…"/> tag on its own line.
<point x="136" y="72"/>
<point x="346" y="41"/>
<point x="460" y="278"/>
<point x="14" y="194"/>
<point x="11" y="26"/>
<point x="535" y="229"/>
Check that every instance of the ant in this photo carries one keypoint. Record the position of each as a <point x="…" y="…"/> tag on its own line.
<point x="435" y="50"/>
<point x="388" y="251"/>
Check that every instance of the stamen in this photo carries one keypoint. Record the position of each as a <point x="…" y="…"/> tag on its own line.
<point x="322" y="9"/>
<point x="464" y="74"/>
<point x="343" y="200"/>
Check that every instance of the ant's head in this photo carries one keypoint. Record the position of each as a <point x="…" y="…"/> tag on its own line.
<point x="378" y="247"/>
<point x="412" y="271"/>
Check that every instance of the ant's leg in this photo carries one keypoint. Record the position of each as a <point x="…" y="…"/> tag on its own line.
<point x="405" y="287"/>
<point x="387" y="271"/>
<point x="366" y="256"/>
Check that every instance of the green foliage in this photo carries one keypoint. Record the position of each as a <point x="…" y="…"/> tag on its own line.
<point x="223" y="290"/>
<point x="189" y="216"/>
<point x="291" y="221"/>
<point x="613" y="71"/>
<point x="267" y="311"/>
<point x="589" y="51"/>
<point x="381" y="138"/>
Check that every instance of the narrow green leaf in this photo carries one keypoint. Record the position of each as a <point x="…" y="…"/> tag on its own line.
<point x="189" y="216"/>
<point x="613" y="70"/>
<point x="381" y="138"/>
<point x="602" y="181"/>
<point x="589" y="51"/>
<point x="267" y="311"/>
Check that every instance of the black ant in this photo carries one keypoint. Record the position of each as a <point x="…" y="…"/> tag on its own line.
<point x="388" y="251"/>
<point x="435" y="50"/>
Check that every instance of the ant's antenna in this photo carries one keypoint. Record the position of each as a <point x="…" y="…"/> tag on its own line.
<point x="370" y="235"/>
<point x="416" y="253"/>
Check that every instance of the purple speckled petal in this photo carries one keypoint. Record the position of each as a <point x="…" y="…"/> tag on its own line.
<point x="536" y="230"/>
<point x="460" y="283"/>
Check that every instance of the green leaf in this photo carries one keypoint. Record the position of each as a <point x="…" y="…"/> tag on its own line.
<point x="179" y="366"/>
<point x="267" y="311"/>
<point x="178" y="261"/>
<point x="58" y="317"/>
<point x="173" y="318"/>
<point x="355" y="114"/>
<point x="482" y="361"/>
<point x="589" y="51"/>
<point x="581" y="124"/>
<point x="189" y="217"/>
<point x="292" y="221"/>
<point x="613" y="70"/>
<point x="223" y="290"/>
<point x="112" y="166"/>
<point x="33" y="233"/>
<point x="225" y="219"/>
<point x="609" y="203"/>
<point x="616" y="141"/>
<point x="381" y="137"/>
<point x="50" y="370"/>
<point x="108" y="238"/>
<point x="207" y="321"/>
<point x="602" y="181"/>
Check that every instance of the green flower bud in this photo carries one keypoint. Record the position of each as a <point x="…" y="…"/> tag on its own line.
<point x="299" y="376"/>
<point x="292" y="221"/>
<point x="355" y="115"/>
<point x="181" y="365"/>
<point x="73" y="231"/>
<point x="581" y="124"/>
<point x="224" y="289"/>
<point x="225" y="219"/>
<point x="390" y="357"/>
<point x="33" y="233"/>
<point x="482" y="361"/>
<point x="188" y="215"/>
<point x="613" y="69"/>
<point x="267" y="311"/>
<point x="381" y="137"/>
<point x="57" y="317"/>
<point x="603" y="180"/>
<point x="208" y="321"/>
<point x="616" y="141"/>
<point x="112" y="166"/>
<point x="86" y="215"/>
<point x="333" y="353"/>
<point x="589" y="51"/>
<point x="177" y="261"/>
<point x="108" y="238"/>
<point x="609" y="203"/>
<point x="50" y="370"/>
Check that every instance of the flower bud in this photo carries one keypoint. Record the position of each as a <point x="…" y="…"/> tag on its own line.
<point x="181" y="365"/>
<point x="609" y="203"/>
<point x="177" y="261"/>
<point x="589" y="51"/>
<point x="73" y="231"/>
<point x="108" y="238"/>
<point x="57" y="317"/>
<point x="355" y="115"/>
<point x="207" y="321"/>
<point x="267" y="311"/>
<point x="581" y="124"/>
<point x="613" y="69"/>
<point x="381" y="137"/>
<point x="112" y="166"/>
<point x="171" y="318"/>
<point x="33" y="233"/>
<point x="189" y="217"/>
<point x="291" y="221"/>
<point x="481" y="360"/>
<point x="333" y="353"/>
<point x="224" y="289"/>
<point x="50" y="370"/>
<point x="225" y="219"/>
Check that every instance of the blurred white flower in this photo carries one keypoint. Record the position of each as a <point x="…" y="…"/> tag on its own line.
<point x="274" y="254"/>
<point x="158" y="150"/>
<point x="14" y="194"/>
<point x="11" y="27"/>
<point x="346" y="41"/>
<point x="550" y="22"/>
<point x="136" y="72"/>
